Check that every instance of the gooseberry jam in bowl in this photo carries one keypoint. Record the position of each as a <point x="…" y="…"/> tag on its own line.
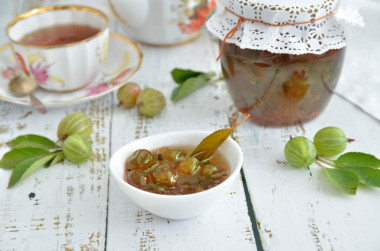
<point x="159" y="175"/>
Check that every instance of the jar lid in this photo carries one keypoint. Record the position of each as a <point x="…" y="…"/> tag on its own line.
<point x="280" y="26"/>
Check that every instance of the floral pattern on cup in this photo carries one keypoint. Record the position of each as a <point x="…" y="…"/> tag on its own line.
<point x="38" y="68"/>
<point x="198" y="17"/>
<point x="104" y="86"/>
<point x="114" y="79"/>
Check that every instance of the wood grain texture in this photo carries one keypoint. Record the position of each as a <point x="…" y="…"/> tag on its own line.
<point x="299" y="208"/>
<point x="227" y="225"/>
<point x="63" y="206"/>
<point x="67" y="207"/>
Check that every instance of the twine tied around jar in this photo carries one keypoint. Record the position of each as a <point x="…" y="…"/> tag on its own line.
<point x="241" y="20"/>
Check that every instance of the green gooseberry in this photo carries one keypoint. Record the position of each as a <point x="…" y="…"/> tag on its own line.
<point x="330" y="141"/>
<point x="127" y="94"/>
<point x="150" y="102"/>
<point x="74" y="123"/>
<point x="300" y="152"/>
<point x="77" y="149"/>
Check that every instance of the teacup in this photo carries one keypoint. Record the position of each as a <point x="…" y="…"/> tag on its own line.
<point x="163" y="22"/>
<point x="63" y="47"/>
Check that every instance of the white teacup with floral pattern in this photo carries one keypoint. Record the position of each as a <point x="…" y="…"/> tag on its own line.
<point x="60" y="67"/>
<point x="163" y="22"/>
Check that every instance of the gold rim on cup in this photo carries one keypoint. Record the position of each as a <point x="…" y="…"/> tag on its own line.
<point x="41" y="10"/>
<point x="116" y="13"/>
<point x="115" y="35"/>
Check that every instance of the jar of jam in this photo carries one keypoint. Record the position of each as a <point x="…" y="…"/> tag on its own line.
<point x="280" y="89"/>
<point x="281" y="61"/>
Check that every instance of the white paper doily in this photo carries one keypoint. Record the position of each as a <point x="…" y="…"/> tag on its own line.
<point x="313" y="37"/>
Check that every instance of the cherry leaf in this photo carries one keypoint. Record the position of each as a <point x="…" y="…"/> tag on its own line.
<point x="345" y="180"/>
<point x="16" y="155"/>
<point x="367" y="175"/>
<point x="31" y="140"/>
<point x="181" y="75"/>
<point x="357" y="159"/>
<point x="27" y="167"/>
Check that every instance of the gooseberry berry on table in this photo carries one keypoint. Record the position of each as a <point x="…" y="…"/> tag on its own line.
<point x="127" y="94"/>
<point x="300" y="152"/>
<point x="30" y="152"/>
<point x="347" y="171"/>
<point x="150" y="102"/>
<point x="74" y="123"/>
<point x="77" y="148"/>
<point x="330" y="141"/>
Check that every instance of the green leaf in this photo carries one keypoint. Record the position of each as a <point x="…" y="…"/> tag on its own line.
<point x="191" y="85"/>
<point x="357" y="159"/>
<point x="16" y="155"/>
<point x="367" y="175"/>
<point x="181" y="75"/>
<point x="27" y="167"/>
<point x="211" y="143"/>
<point x="175" y="92"/>
<point x="58" y="157"/>
<point x="345" y="180"/>
<point x="31" y="140"/>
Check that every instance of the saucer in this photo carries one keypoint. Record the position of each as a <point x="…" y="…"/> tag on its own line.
<point x="124" y="60"/>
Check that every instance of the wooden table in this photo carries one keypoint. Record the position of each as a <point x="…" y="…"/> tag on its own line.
<point x="273" y="206"/>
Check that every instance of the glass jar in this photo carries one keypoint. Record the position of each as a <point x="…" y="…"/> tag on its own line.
<point x="280" y="89"/>
<point x="281" y="58"/>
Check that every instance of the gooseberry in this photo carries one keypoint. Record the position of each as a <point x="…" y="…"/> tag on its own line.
<point x="190" y="166"/>
<point x="127" y="94"/>
<point x="138" y="178"/>
<point x="211" y="171"/>
<point x="141" y="159"/>
<point x="74" y="124"/>
<point x="77" y="148"/>
<point x="300" y="152"/>
<point x="330" y="141"/>
<point x="171" y="153"/>
<point x="188" y="184"/>
<point x="164" y="175"/>
<point x="150" y="102"/>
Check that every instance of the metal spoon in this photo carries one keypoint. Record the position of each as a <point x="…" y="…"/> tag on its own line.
<point x="21" y="86"/>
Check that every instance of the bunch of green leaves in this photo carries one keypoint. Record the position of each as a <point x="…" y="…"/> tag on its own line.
<point x="28" y="153"/>
<point x="345" y="171"/>
<point x="351" y="169"/>
<point x="189" y="81"/>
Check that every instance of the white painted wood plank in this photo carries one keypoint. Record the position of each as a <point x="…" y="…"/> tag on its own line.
<point x="299" y="209"/>
<point x="359" y="82"/>
<point x="69" y="206"/>
<point x="225" y="227"/>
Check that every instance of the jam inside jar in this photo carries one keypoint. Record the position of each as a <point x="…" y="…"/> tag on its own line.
<point x="280" y="89"/>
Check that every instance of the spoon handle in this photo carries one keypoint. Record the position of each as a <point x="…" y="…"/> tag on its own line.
<point x="37" y="104"/>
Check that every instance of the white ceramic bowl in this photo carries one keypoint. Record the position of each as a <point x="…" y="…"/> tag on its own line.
<point x="176" y="206"/>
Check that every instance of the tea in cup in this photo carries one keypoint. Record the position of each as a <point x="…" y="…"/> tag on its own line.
<point x="63" y="47"/>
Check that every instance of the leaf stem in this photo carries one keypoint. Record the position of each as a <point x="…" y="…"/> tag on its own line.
<point x="319" y="164"/>
<point x="326" y="161"/>
<point x="241" y="122"/>
<point x="214" y="80"/>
